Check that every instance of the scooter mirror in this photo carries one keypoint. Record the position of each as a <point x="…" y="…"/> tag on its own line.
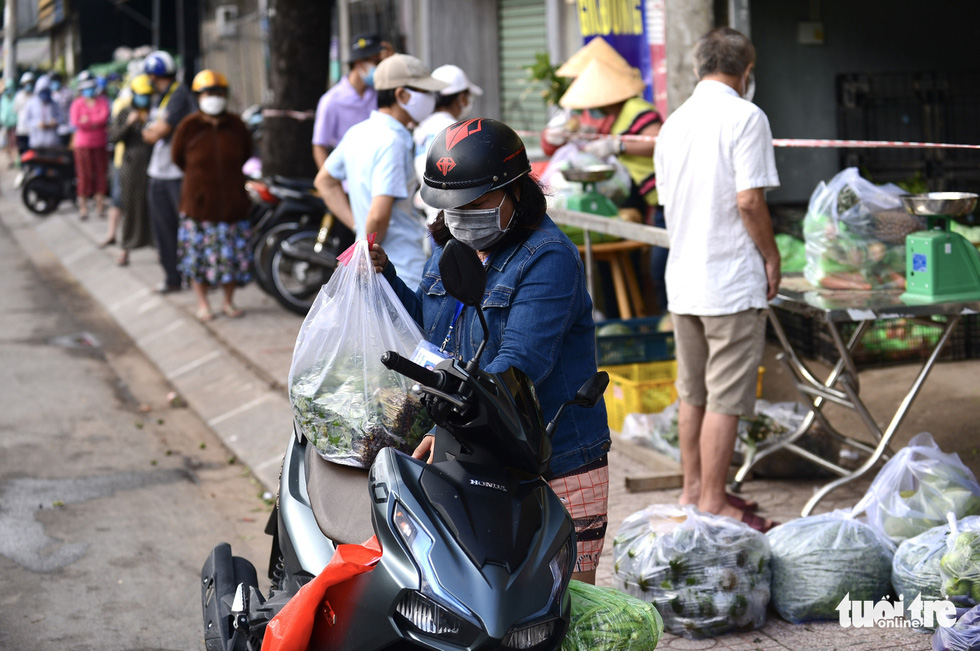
<point x="462" y="273"/>
<point x="592" y="390"/>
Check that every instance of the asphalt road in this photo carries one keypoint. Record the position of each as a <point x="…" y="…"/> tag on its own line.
<point x="110" y="498"/>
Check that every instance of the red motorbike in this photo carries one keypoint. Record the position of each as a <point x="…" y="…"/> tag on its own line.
<point x="47" y="178"/>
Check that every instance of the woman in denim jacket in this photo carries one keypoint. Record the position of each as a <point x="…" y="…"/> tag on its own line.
<point x="536" y="304"/>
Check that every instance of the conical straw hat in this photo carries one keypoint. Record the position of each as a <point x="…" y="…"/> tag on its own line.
<point x="601" y="85"/>
<point x="597" y="48"/>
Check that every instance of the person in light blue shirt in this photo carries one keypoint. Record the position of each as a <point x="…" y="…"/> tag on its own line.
<point x="375" y="158"/>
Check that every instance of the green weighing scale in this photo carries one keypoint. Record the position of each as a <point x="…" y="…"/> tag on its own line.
<point x="940" y="266"/>
<point x="589" y="201"/>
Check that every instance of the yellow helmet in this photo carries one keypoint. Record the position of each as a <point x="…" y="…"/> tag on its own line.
<point x="208" y="80"/>
<point x="142" y="85"/>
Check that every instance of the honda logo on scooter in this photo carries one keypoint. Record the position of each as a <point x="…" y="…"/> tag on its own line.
<point x="488" y="484"/>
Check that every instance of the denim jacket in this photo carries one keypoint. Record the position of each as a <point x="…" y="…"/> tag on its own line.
<point x="540" y="319"/>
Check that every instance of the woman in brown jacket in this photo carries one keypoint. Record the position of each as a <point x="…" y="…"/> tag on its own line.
<point x="211" y="146"/>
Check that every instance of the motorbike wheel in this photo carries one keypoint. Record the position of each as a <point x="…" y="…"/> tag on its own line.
<point x="262" y="254"/>
<point x="38" y="197"/>
<point x="296" y="282"/>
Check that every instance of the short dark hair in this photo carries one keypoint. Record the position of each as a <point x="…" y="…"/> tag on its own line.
<point x="723" y="50"/>
<point x="529" y="210"/>
<point x="442" y="101"/>
<point x="387" y="97"/>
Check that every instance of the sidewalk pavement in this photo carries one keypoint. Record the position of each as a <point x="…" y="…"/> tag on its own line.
<point x="233" y="372"/>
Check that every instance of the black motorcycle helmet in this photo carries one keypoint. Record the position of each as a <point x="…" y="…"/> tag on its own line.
<point x="469" y="159"/>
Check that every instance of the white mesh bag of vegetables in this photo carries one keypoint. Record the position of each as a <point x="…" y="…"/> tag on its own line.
<point x="915" y="490"/>
<point x="706" y="574"/>
<point x="959" y="566"/>
<point x="344" y="400"/>
<point x="915" y="567"/>
<point x="818" y="560"/>
<point x="606" y="619"/>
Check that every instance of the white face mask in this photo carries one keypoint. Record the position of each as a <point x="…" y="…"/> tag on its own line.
<point x="466" y="110"/>
<point x="477" y="229"/>
<point x="748" y="86"/>
<point x="420" y="105"/>
<point x="213" y="104"/>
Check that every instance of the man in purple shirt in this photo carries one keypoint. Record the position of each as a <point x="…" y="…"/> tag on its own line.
<point x="351" y="99"/>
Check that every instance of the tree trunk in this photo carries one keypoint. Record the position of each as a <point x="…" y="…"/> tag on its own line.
<point x="299" y="46"/>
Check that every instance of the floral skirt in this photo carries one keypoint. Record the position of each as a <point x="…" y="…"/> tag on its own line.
<point x="215" y="253"/>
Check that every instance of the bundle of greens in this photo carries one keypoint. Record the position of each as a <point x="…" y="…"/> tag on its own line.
<point x="915" y="567"/>
<point x="808" y="555"/>
<point x="959" y="566"/>
<point x="707" y="575"/>
<point x="350" y="423"/>
<point x="605" y="619"/>
<point x="915" y="490"/>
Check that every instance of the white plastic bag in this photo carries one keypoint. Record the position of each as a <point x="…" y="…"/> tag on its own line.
<point x="818" y="560"/>
<point x="964" y="635"/>
<point x="915" y="490"/>
<point x="344" y="400"/>
<point x="959" y="566"/>
<point x="915" y="567"/>
<point x="706" y="574"/>
<point x="616" y="188"/>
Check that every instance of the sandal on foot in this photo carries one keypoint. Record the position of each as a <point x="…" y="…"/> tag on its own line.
<point x="123" y="259"/>
<point x="739" y="503"/>
<point x="231" y="311"/>
<point x="757" y="523"/>
<point x="204" y="315"/>
<point x="107" y="242"/>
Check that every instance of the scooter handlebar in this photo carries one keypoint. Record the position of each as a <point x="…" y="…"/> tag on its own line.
<point x="410" y="369"/>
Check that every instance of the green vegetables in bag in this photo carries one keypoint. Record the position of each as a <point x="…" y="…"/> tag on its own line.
<point x="960" y="567"/>
<point x="605" y="619"/>
<point x="915" y="567"/>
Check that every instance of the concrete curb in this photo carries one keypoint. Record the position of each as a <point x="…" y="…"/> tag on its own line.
<point x="236" y="400"/>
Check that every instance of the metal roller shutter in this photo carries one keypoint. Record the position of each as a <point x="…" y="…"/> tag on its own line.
<point x="523" y="33"/>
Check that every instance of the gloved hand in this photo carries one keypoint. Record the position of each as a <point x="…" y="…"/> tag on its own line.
<point x="604" y="147"/>
<point x="556" y="136"/>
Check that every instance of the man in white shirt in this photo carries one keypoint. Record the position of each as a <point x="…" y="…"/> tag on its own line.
<point x="714" y="162"/>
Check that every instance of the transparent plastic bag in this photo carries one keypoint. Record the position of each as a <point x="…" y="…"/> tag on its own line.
<point x="616" y="188"/>
<point x="915" y="567"/>
<point x="606" y="619"/>
<point x="964" y="635"/>
<point x="818" y="560"/>
<point x="915" y="490"/>
<point x="344" y="400"/>
<point x="707" y="575"/>
<point x="959" y="567"/>
<point x="855" y="234"/>
<point x="657" y="431"/>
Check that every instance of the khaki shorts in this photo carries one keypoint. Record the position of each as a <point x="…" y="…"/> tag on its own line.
<point x="718" y="360"/>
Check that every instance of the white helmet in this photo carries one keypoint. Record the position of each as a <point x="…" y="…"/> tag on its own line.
<point x="27" y="78"/>
<point x="159" y="64"/>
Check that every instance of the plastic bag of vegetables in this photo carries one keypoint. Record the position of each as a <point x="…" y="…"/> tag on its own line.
<point x="707" y="575"/>
<point x="344" y="400"/>
<point x="959" y="566"/>
<point x="915" y="490"/>
<point x="855" y="234"/>
<point x="915" y="567"/>
<point x="809" y="556"/>
<point x="964" y="635"/>
<point x="605" y="619"/>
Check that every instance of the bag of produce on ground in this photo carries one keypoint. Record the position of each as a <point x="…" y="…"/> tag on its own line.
<point x="606" y="619"/>
<point x="959" y="566"/>
<point x="344" y="400"/>
<point x="657" y="431"/>
<point x="964" y="635"/>
<point x="915" y="490"/>
<point x="818" y="560"/>
<point x="707" y="575"/>
<point x="855" y="234"/>
<point x="915" y="568"/>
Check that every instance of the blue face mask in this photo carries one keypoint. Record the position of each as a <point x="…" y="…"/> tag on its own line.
<point x="369" y="77"/>
<point x="55" y="85"/>
<point x="141" y="101"/>
<point x="88" y="92"/>
<point x="45" y="96"/>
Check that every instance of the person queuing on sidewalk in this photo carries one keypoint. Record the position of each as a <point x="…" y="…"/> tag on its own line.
<point x="715" y="160"/>
<point x="350" y="100"/>
<point x="127" y="130"/>
<point x="122" y="100"/>
<point x="89" y="118"/>
<point x="64" y="97"/>
<point x="539" y="310"/>
<point x="375" y="158"/>
<point x="8" y="122"/>
<point x="42" y="117"/>
<point x="24" y="94"/>
<point x="453" y="103"/>
<point x="173" y="103"/>
<point x="211" y="146"/>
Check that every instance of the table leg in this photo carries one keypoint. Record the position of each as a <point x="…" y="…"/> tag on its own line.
<point x="619" y="282"/>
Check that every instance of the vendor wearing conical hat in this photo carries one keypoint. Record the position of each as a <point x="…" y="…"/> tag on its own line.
<point x="615" y="92"/>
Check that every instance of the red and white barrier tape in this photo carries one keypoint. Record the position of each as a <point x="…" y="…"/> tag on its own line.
<point x="789" y="142"/>
<point x="295" y="115"/>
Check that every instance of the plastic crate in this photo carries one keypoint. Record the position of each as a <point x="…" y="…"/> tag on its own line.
<point x="800" y="329"/>
<point x="894" y="341"/>
<point x="644" y="343"/>
<point x="971" y="331"/>
<point x="644" y="389"/>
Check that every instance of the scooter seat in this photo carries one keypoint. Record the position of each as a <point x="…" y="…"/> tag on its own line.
<point x="339" y="499"/>
<point x="300" y="185"/>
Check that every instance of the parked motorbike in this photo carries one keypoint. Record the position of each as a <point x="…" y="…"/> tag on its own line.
<point x="47" y="178"/>
<point x="477" y="549"/>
